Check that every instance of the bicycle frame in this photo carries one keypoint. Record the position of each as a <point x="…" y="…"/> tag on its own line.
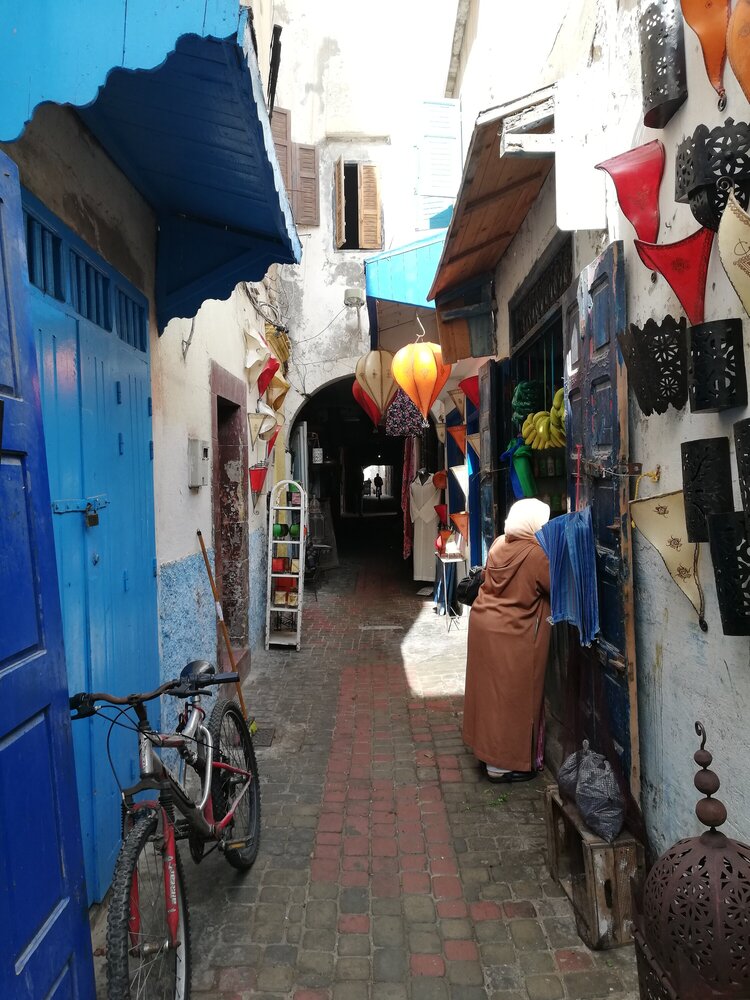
<point x="154" y="774"/>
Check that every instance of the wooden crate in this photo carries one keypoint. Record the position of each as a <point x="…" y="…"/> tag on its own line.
<point x="596" y="876"/>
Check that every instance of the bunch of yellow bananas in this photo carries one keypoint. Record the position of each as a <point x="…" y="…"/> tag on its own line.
<point x="546" y="428"/>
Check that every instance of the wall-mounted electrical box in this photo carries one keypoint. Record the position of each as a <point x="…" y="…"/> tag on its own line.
<point x="199" y="458"/>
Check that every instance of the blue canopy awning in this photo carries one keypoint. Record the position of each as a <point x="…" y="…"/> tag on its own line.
<point x="192" y="135"/>
<point x="401" y="277"/>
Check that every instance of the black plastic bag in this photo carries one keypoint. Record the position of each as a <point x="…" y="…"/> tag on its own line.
<point x="597" y="793"/>
<point x="468" y="587"/>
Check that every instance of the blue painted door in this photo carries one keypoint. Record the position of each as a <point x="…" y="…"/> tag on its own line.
<point x="91" y="338"/>
<point x="594" y="312"/>
<point x="45" y="946"/>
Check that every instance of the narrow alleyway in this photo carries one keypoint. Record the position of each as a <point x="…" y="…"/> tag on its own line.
<point x="389" y="869"/>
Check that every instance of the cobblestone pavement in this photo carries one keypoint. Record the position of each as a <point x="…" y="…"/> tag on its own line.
<point x="390" y="869"/>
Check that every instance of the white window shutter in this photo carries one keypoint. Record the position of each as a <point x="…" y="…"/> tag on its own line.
<point x="439" y="158"/>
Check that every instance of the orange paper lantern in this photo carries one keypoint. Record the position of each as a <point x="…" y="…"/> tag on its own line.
<point x="420" y="371"/>
<point x="458" y="433"/>
<point x="461" y="521"/>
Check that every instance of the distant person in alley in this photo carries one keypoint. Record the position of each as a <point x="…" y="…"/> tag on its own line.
<point x="508" y="643"/>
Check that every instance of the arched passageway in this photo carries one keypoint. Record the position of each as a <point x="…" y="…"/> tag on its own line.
<point x="366" y="515"/>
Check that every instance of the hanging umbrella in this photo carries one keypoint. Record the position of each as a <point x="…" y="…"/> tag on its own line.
<point x="269" y="370"/>
<point x="367" y="404"/>
<point x="461" y="475"/>
<point x="420" y="371"/>
<point x="441" y="509"/>
<point x="459" y="401"/>
<point x="470" y="388"/>
<point x="461" y="521"/>
<point x="458" y="433"/>
<point x="258" y="475"/>
<point x="475" y="442"/>
<point x="373" y="372"/>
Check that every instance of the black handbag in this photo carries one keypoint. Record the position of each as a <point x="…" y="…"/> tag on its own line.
<point x="468" y="588"/>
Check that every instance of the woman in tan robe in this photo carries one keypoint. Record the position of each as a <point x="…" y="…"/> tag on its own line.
<point x="508" y="644"/>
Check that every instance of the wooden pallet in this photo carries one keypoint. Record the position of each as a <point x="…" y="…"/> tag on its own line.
<point x="595" y="875"/>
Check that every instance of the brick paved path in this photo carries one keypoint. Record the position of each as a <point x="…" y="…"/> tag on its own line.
<point x="390" y="869"/>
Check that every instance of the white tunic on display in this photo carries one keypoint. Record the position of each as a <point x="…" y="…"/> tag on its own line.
<point x="423" y="497"/>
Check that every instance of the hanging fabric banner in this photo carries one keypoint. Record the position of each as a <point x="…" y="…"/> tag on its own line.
<point x="461" y="475"/>
<point x="661" y="521"/>
<point x="470" y="388"/>
<point x="459" y="401"/>
<point x="475" y="442"/>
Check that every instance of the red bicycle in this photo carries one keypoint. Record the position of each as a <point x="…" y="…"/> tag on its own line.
<point x="217" y="794"/>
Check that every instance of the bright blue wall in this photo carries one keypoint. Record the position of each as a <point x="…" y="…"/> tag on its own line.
<point x="258" y="559"/>
<point x="62" y="52"/>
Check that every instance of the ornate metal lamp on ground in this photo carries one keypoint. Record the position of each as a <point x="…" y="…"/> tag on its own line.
<point x="692" y="933"/>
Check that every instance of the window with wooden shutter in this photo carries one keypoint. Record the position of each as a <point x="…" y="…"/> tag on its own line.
<point x="438" y="159"/>
<point x="306" y="201"/>
<point x="370" y="225"/>
<point x="281" y="130"/>
<point x="338" y="203"/>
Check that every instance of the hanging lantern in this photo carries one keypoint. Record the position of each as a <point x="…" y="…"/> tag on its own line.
<point x="443" y="535"/>
<point x="266" y="435"/>
<point x="440" y="430"/>
<point x="737" y="48"/>
<point x="440" y="479"/>
<point x="710" y="21"/>
<point x="459" y="401"/>
<point x="461" y="475"/>
<point x="461" y="521"/>
<point x="734" y="248"/>
<point x="367" y="404"/>
<point x="278" y="387"/>
<point x="256" y="356"/>
<point x="470" y="388"/>
<point x="272" y="442"/>
<point x="475" y="442"/>
<point x="458" y="433"/>
<point x="684" y="266"/>
<point x="262" y="421"/>
<point x="637" y="175"/>
<point x="420" y="371"/>
<point x="441" y="509"/>
<point x="373" y="372"/>
<point x="258" y="475"/>
<point x="269" y="370"/>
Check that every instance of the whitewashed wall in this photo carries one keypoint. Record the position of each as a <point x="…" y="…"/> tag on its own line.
<point x="683" y="675"/>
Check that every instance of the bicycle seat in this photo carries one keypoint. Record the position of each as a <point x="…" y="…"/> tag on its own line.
<point x="197" y="668"/>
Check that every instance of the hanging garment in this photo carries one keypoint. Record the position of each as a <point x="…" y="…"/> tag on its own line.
<point x="422" y="500"/>
<point x="406" y="477"/>
<point x="508" y="646"/>
<point x="568" y="541"/>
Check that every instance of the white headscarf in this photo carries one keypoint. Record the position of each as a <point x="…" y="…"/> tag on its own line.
<point x="525" y="518"/>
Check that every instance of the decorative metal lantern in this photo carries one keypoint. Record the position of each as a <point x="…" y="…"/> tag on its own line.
<point x="742" y="455"/>
<point x="663" y="76"/>
<point x="637" y="175"/>
<point x="716" y="366"/>
<point x="656" y="358"/>
<point x="730" y="554"/>
<point x="706" y="482"/>
<point x="692" y="936"/>
<point x="708" y="165"/>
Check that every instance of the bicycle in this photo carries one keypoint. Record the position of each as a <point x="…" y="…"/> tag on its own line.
<point x="148" y="932"/>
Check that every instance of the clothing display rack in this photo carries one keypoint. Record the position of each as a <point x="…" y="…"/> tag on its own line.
<point x="286" y="564"/>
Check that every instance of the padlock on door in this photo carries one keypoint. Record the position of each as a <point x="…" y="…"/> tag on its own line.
<point x="91" y="515"/>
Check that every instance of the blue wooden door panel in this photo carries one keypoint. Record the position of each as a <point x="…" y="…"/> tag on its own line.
<point x="594" y="312"/>
<point x="45" y="947"/>
<point x="95" y="394"/>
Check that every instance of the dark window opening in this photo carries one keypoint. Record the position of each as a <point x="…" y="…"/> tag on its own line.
<point x="351" y="207"/>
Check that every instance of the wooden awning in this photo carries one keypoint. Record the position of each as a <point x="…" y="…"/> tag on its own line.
<point x="504" y="171"/>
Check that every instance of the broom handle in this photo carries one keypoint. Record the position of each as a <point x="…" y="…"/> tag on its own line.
<point x="222" y="623"/>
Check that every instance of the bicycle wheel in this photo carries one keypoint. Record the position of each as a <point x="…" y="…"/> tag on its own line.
<point x="140" y="963"/>
<point x="233" y="745"/>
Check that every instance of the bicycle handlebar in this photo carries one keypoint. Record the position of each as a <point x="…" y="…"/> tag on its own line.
<point x="84" y="703"/>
